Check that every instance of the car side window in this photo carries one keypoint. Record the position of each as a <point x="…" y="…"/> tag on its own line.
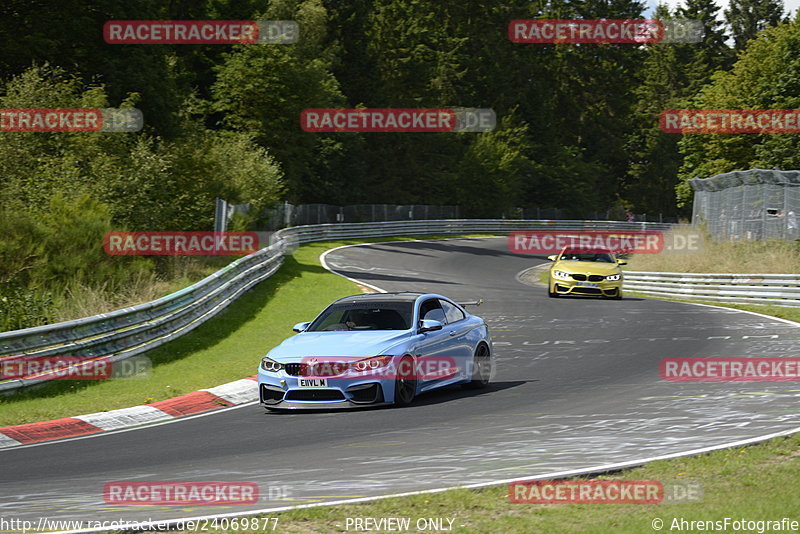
<point x="451" y="312"/>
<point x="431" y="309"/>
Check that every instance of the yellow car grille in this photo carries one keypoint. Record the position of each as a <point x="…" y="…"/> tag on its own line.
<point x="592" y="277"/>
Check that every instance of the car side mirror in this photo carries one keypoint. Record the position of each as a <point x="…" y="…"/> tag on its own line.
<point x="301" y="327"/>
<point x="552" y="257"/>
<point x="429" y="325"/>
<point x="622" y="262"/>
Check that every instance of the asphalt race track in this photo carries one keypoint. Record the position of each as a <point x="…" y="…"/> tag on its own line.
<point x="577" y="386"/>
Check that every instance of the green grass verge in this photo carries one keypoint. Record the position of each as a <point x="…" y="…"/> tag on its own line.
<point x="226" y="348"/>
<point x="753" y="483"/>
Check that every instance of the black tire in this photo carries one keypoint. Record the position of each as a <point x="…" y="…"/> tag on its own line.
<point x="551" y="294"/>
<point x="481" y="368"/>
<point x="405" y="386"/>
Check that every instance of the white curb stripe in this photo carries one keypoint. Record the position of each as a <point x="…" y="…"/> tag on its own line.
<point x="236" y="392"/>
<point x="5" y="441"/>
<point x="125" y="417"/>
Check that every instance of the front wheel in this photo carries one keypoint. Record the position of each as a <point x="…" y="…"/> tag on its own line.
<point x="405" y="386"/>
<point x="551" y="294"/>
<point x="481" y="368"/>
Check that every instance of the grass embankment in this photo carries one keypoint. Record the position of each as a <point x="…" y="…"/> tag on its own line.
<point x="226" y="348"/>
<point x="772" y="256"/>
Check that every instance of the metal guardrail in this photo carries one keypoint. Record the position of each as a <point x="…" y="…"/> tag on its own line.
<point x="322" y="232"/>
<point x="781" y="289"/>
<point x="131" y="331"/>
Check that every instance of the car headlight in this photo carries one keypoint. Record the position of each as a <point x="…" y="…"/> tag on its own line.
<point x="561" y="275"/>
<point x="369" y="364"/>
<point x="613" y="277"/>
<point x="268" y="364"/>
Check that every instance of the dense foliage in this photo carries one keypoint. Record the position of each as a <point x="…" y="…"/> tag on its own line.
<point x="577" y="124"/>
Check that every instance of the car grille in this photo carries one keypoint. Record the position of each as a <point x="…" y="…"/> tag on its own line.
<point x="296" y="369"/>
<point x="314" y="395"/>
<point x="592" y="277"/>
<point x="323" y="369"/>
<point x="587" y="291"/>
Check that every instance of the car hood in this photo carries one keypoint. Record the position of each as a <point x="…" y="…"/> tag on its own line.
<point x="587" y="267"/>
<point x="348" y="343"/>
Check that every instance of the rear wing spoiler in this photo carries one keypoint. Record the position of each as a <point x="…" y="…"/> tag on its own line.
<point x="471" y="303"/>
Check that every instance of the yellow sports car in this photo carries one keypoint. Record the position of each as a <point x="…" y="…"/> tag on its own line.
<point x="578" y="273"/>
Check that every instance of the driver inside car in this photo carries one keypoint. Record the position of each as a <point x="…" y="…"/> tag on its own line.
<point x="358" y="320"/>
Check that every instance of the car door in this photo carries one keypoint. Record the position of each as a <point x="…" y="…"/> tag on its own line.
<point x="458" y="328"/>
<point x="434" y="350"/>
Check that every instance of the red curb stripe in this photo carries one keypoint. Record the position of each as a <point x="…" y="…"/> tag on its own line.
<point x="191" y="403"/>
<point x="48" y="430"/>
<point x="254" y="377"/>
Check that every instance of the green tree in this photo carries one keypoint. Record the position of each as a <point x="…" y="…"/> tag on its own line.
<point x="654" y="157"/>
<point x="748" y="17"/>
<point x="701" y="60"/>
<point x="766" y="76"/>
<point x="262" y="90"/>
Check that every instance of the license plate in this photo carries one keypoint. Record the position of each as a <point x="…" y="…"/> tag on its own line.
<point x="312" y="382"/>
<point x="587" y="284"/>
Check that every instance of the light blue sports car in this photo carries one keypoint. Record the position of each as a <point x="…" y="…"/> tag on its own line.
<point x="378" y="348"/>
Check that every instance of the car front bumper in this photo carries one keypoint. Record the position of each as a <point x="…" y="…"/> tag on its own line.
<point x="282" y="391"/>
<point x="605" y="288"/>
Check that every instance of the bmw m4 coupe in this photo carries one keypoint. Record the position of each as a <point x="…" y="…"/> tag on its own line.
<point x="373" y="349"/>
<point x="578" y="273"/>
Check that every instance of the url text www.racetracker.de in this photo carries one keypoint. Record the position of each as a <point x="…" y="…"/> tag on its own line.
<point x="45" y="524"/>
<point x="726" y="524"/>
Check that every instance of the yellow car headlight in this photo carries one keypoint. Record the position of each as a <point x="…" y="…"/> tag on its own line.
<point x="561" y="275"/>
<point x="613" y="277"/>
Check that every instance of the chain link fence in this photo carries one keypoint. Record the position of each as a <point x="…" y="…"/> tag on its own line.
<point x="748" y="205"/>
<point x="285" y="215"/>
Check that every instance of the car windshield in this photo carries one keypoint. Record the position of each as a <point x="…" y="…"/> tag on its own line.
<point x="601" y="258"/>
<point x="364" y="316"/>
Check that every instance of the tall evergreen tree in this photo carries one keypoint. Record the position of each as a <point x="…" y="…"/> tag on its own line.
<point x="654" y="158"/>
<point x="702" y="59"/>
<point x="748" y="17"/>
